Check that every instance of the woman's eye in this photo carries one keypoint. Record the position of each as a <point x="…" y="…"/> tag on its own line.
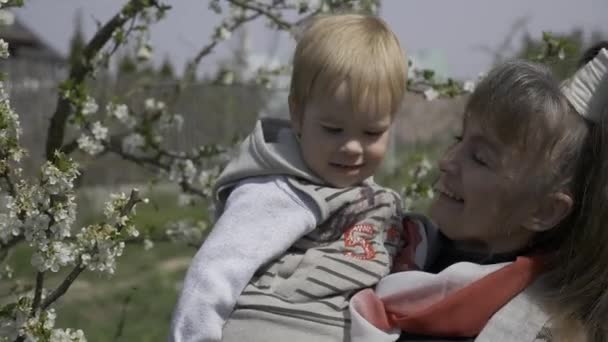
<point x="333" y="130"/>
<point x="479" y="160"/>
<point x="458" y="138"/>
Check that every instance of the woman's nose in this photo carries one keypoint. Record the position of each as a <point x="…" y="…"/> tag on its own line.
<point x="449" y="161"/>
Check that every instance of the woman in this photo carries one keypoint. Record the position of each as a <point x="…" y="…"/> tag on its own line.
<point x="522" y="211"/>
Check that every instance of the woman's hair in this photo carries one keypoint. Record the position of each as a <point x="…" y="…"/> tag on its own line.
<point x="522" y="104"/>
<point x="578" y="277"/>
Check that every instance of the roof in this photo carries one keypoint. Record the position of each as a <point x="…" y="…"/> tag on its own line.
<point x="24" y="42"/>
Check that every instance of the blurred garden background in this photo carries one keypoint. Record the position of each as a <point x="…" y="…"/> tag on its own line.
<point x="233" y="70"/>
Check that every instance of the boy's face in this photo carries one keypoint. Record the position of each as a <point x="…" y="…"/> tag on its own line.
<point x="340" y="146"/>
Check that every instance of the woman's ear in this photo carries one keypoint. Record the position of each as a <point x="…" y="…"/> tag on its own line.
<point x="295" y="115"/>
<point x="550" y="212"/>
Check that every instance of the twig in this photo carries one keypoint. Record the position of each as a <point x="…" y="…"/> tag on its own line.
<point x="282" y="24"/>
<point x="206" y="50"/>
<point x="123" y="316"/>
<point x="81" y="68"/>
<point x="37" y="292"/>
<point x="63" y="287"/>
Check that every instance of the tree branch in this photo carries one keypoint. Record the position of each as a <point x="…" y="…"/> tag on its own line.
<point x="282" y="24"/>
<point x="63" y="287"/>
<point x="206" y="50"/>
<point x="83" y="67"/>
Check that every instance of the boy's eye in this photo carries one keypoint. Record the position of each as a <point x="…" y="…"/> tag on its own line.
<point x="374" y="133"/>
<point x="331" y="129"/>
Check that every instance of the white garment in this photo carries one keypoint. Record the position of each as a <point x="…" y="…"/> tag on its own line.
<point x="263" y="217"/>
<point x="521" y="319"/>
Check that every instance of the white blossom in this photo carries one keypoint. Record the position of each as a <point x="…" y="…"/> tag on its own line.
<point x="144" y="53"/>
<point x="184" y="200"/>
<point x="100" y="132"/>
<point x="223" y="33"/>
<point x="54" y="256"/>
<point x="6" y="272"/>
<point x="468" y="86"/>
<point x="167" y="121"/>
<point x="3" y="49"/>
<point x="89" y="145"/>
<point x="133" y="143"/>
<point x="182" y="171"/>
<point x="152" y="104"/>
<point x="68" y="335"/>
<point x="431" y="94"/>
<point x="186" y="231"/>
<point x="148" y="244"/>
<point x="98" y="248"/>
<point x="58" y="181"/>
<point x="7" y="18"/>
<point x="121" y="113"/>
<point x="89" y="106"/>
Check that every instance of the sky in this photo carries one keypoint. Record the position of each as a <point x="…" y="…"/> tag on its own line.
<point x="457" y="37"/>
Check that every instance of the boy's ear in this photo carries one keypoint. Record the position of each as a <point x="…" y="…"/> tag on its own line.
<point x="295" y="115"/>
<point x="550" y="212"/>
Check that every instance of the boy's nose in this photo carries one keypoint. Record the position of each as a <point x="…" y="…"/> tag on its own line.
<point x="352" y="146"/>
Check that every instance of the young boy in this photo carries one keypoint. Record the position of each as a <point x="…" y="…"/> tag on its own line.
<point x="302" y="224"/>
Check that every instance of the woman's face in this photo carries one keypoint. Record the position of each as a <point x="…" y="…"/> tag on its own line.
<point x="479" y="193"/>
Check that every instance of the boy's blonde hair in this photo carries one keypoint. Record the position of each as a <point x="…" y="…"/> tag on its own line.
<point x="357" y="49"/>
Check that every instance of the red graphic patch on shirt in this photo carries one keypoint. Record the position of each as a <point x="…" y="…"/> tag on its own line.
<point x="406" y="259"/>
<point x="359" y="236"/>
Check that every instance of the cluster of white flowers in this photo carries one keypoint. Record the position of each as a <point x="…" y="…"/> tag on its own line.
<point x="99" y="244"/>
<point x="222" y="32"/>
<point x="167" y="121"/>
<point x="53" y="255"/>
<point x="186" y="231"/>
<point x="431" y="94"/>
<point x="14" y="318"/>
<point x="39" y="327"/>
<point x="153" y="105"/>
<point x="133" y="143"/>
<point x="468" y="86"/>
<point x="89" y="106"/>
<point x="206" y="179"/>
<point x="10" y="225"/>
<point x="89" y="144"/>
<point x="148" y="244"/>
<point x="10" y="131"/>
<point x="68" y="335"/>
<point x="92" y="143"/>
<point x="185" y="200"/>
<point x="100" y="132"/>
<point x="3" y="49"/>
<point x="48" y="213"/>
<point x="182" y="170"/>
<point x="144" y="52"/>
<point x="99" y="248"/>
<point x="122" y="114"/>
<point x="418" y="186"/>
<point x="6" y="272"/>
